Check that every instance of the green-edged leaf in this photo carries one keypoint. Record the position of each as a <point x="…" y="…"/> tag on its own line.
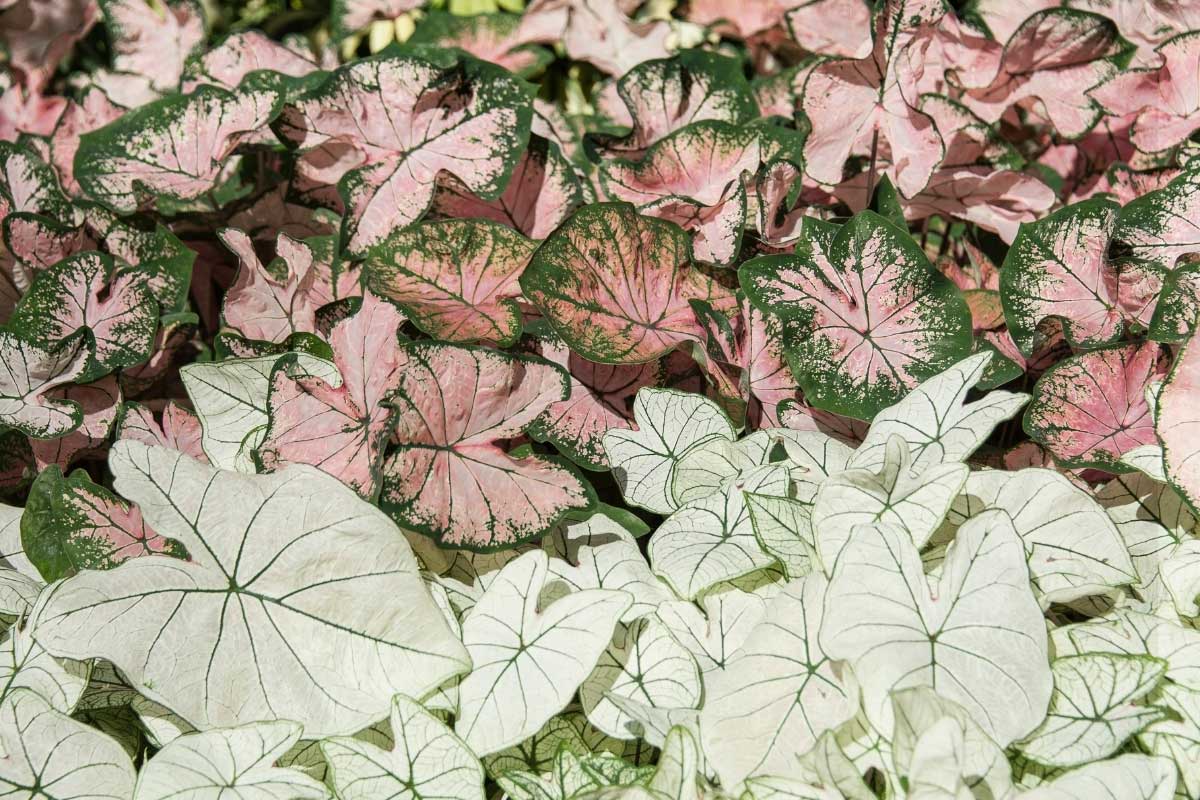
<point x="783" y="527"/>
<point x="1128" y="777"/>
<point x="25" y="664"/>
<point x="864" y="316"/>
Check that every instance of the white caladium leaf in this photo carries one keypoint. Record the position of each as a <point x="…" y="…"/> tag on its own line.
<point x="924" y="722"/>
<point x="1177" y="422"/>
<point x="1133" y="633"/>
<point x="977" y="635"/>
<point x="784" y="529"/>
<point x="342" y="429"/>
<point x="1093" y="711"/>
<point x="669" y="424"/>
<point x="1130" y="777"/>
<point x="455" y="279"/>
<point x="936" y="421"/>
<point x="427" y="761"/>
<point x="864" y="317"/>
<point x="397" y="121"/>
<point x="893" y="495"/>
<point x="1177" y="737"/>
<point x="230" y="398"/>
<point x="1147" y="459"/>
<point x="643" y="663"/>
<point x="1153" y="520"/>
<point x="50" y="755"/>
<point x="711" y="540"/>
<point x="117" y="314"/>
<point x="260" y="591"/>
<point x="447" y="476"/>
<point x="176" y="149"/>
<point x="229" y="763"/>
<point x="1074" y="550"/>
<point x="1181" y="575"/>
<point x="716" y="629"/>
<point x="24" y="663"/>
<point x="616" y="285"/>
<point x="779" y="693"/>
<point x="28" y="374"/>
<point x="528" y="664"/>
<point x="600" y="552"/>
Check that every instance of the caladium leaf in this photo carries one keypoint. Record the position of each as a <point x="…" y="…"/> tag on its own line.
<point x="853" y="103"/>
<point x="1126" y="631"/>
<point x="270" y="304"/>
<point x="693" y="177"/>
<point x="453" y="404"/>
<point x="783" y="528"/>
<point x="711" y="539"/>
<point x="643" y="663"/>
<point x="490" y="37"/>
<point x="427" y="761"/>
<point x="455" y="279"/>
<point x="977" y="635"/>
<point x="25" y="664"/>
<point x="864" y="316"/>
<point x="99" y="403"/>
<point x="116" y="313"/>
<point x="832" y="27"/>
<point x="179" y="428"/>
<point x="1177" y="739"/>
<point x="600" y="552"/>
<point x="1073" y="548"/>
<point x="1093" y="711"/>
<point x="574" y="23"/>
<point x="936" y="421"/>
<point x="411" y="138"/>
<point x="260" y="591"/>
<point x="615" y="285"/>
<point x="780" y="692"/>
<point x="236" y="763"/>
<point x="527" y="664"/>
<point x="665" y="95"/>
<point x="231" y="400"/>
<point x="1091" y="409"/>
<point x="339" y="429"/>
<point x="28" y="184"/>
<point x="242" y="53"/>
<point x="150" y="46"/>
<point x="542" y="192"/>
<point x="1131" y="775"/>
<point x="1053" y="58"/>
<point x="1177" y="422"/>
<point x="51" y="755"/>
<point x="28" y="373"/>
<point x="1160" y="99"/>
<point x="71" y="524"/>
<point x="715" y="630"/>
<point x="915" y="502"/>
<point x="125" y="164"/>
<point x="600" y="400"/>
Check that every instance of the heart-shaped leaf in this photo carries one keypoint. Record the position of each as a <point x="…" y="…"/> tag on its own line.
<point x="1177" y="421"/>
<point x="28" y="373"/>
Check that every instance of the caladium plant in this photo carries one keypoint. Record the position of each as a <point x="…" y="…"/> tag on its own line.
<point x="594" y="399"/>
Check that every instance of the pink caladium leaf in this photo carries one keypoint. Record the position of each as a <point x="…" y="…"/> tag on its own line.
<point x="840" y="28"/>
<point x="851" y="104"/>
<point x="71" y="524"/>
<point x="244" y="52"/>
<point x="741" y="20"/>
<point x="340" y="430"/>
<point x="663" y="96"/>
<point x="782" y="199"/>
<point x="615" y="285"/>
<point x="348" y="16"/>
<point x="597" y="31"/>
<point x="1053" y="58"/>
<point x="399" y="122"/>
<point x="600" y="399"/>
<point x="542" y="192"/>
<point x="270" y="303"/>
<point x="1164" y="101"/>
<point x="864" y="317"/>
<point x="274" y="213"/>
<point x="99" y="403"/>
<point x="1058" y="268"/>
<point x="177" y="428"/>
<point x="37" y="34"/>
<point x="27" y="374"/>
<point x="996" y="200"/>
<point x="151" y="43"/>
<point x="1177" y="313"/>
<point x="694" y="177"/>
<point x="490" y="37"/>
<point x="1177" y="422"/>
<point x="115" y="311"/>
<point x="1091" y="409"/>
<point x="447" y="477"/>
<point x="455" y="279"/>
<point x="25" y="112"/>
<point x="92" y="112"/>
<point x="176" y="148"/>
<point x="28" y="184"/>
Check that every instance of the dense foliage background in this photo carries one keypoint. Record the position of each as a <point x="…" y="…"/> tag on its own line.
<point x="600" y="398"/>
